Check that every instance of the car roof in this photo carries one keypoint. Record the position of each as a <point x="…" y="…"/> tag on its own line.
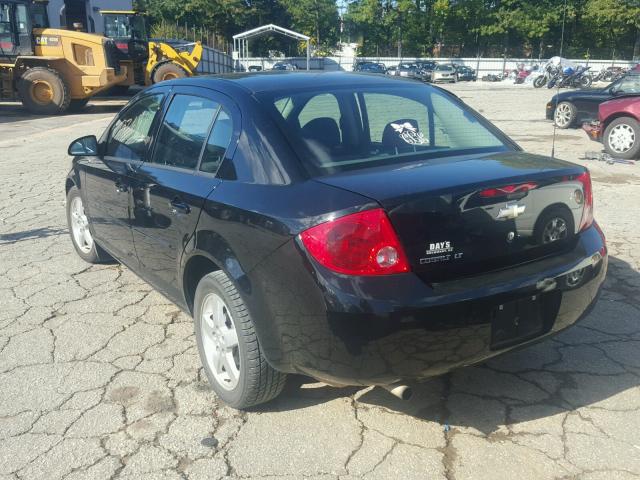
<point x="272" y="81"/>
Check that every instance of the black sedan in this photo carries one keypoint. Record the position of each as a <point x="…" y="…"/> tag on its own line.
<point x="360" y="229"/>
<point x="370" y="67"/>
<point x="575" y="107"/>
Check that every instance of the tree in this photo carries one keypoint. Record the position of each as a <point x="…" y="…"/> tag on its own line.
<point x="316" y="18"/>
<point x="614" y="21"/>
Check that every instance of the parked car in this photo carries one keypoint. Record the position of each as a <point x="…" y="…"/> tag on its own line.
<point x="618" y="127"/>
<point x="444" y="73"/>
<point x="425" y="69"/>
<point x="370" y="67"/>
<point x="255" y="68"/>
<point x="576" y="107"/>
<point x="466" y="74"/>
<point x="409" y="70"/>
<point x="313" y="223"/>
<point x="283" y="66"/>
<point x="392" y="70"/>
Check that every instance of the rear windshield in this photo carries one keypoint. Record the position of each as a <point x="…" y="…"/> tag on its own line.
<point x="341" y="129"/>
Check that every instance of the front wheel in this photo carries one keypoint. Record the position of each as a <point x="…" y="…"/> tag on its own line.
<point x="81" y="236"/>
<point x="565" y="115"/>
<point x="585" y="82"/>
<point x="622" y="138"/>
<point x="168" y="71"/>
<point x="228" y="345"/>
<point x="540" y="81"/>
<point x="43" y="91"/>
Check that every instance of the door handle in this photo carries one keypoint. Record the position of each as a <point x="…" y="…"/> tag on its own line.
<point x="178" y="205"/>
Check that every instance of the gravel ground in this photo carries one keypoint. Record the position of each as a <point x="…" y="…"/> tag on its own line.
<point x="100" y="378"/>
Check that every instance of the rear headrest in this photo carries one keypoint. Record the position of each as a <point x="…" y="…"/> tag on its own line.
<point x="402" y="133"/>
<point x="323" y="130"/>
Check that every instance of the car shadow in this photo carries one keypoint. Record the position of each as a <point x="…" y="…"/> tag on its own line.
<point x="15" y="237"/>
<point x="588" y="364"/>
<point x="15" y="112"/>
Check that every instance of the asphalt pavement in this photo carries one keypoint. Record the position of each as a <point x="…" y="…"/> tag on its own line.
<point x="100" y="377"/>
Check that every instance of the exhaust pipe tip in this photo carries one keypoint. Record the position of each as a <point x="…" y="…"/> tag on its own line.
<point x="403" y="392"/>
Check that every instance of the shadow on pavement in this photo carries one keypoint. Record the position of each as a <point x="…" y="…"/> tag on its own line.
<point x="9" y="238"/>
<point x="588" y="363"/>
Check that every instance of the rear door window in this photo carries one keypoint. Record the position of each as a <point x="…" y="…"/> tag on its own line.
<point x="217" y="143"/>
<point x="184" y="130"/>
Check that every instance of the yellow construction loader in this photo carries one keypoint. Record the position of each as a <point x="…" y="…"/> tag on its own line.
<point x="150" y="62"/>
<point x="52" y="70"/>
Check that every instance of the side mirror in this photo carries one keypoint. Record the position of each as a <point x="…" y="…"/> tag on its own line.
<point x="84" y="146"/>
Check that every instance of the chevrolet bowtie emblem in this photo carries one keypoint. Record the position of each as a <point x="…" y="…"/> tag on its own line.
<point x="511" y="210"/>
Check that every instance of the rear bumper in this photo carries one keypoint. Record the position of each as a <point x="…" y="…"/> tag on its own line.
<point x="381" y="330"/>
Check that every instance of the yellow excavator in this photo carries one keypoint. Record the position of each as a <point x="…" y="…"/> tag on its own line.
<point x="52" y="70"/>
<point x="149" y="61"/>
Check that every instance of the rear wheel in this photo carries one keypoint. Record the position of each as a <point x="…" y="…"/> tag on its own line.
<point x="228" y="345"/>
<point x="168" y="71"/>
<point x="43" y="91"/>
<point x="81" y="236"/>
<point x="585" y="81"/>
<point x="622" y="138"/>
<point x="565" y="114"/>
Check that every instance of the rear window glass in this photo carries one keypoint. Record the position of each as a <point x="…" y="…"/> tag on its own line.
<point x="351" y="128"/>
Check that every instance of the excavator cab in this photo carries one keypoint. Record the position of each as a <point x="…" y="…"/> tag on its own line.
<point x="15" y="30"/>
<point x="129" y="30"/>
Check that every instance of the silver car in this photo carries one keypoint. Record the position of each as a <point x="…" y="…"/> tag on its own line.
<point x="444" y="73"/>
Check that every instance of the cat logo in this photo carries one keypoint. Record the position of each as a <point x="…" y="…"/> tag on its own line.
<point x="47" y="40"/>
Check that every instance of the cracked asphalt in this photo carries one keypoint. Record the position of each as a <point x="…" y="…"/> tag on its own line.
<point x="100" y="377"/>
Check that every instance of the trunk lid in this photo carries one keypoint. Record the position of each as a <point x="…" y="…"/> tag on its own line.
<point x="467" y="215"/>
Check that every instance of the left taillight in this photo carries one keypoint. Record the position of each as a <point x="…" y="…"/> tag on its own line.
<point x="362" y="243"/>
<point x="587" y="211"/>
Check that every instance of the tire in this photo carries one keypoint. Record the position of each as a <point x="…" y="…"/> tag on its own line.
<point x="89" y="251"/>
<point x="540" y="81"/>
<point x="77" y="105"/>
<point x="621" y="138"/>
<point x="43" y="91"/>
<point x="585" y="82"/>
<point x="244" y="378"/>
<point x="564" y="115"/>
<point x="168" y="71"/>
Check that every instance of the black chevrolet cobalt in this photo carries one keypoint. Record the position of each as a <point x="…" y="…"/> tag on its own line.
<point x="359" y="229"/>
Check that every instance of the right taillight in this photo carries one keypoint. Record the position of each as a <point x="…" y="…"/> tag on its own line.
<point x="587" y="192"/>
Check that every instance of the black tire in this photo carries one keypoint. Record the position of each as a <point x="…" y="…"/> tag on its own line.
<point x="168" y="71"/>
<point x="540" y="81"/>
<point x="632" y="127"/>
<point x="585" y="82"/>
<point x="258" y="381"/>
<point x="43" y="91"/>
<point x="564" y="116"/>
<point x="95" y="254"/>
<point x="77" y="105"/>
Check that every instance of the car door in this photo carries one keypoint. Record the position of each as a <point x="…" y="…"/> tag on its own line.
<point x="172" y="186"/>
<point x="107" y="179"/>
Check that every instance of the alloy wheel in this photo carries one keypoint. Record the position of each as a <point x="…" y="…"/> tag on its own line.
<point x="80" y="226"/>
<point x="554" y="230"/>
<point x="563" y="115"/>
<point x="622" y="138"/>
<point x="220" y="341"/>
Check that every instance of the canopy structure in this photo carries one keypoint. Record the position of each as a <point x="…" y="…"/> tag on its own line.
<point x="241" y="41"/>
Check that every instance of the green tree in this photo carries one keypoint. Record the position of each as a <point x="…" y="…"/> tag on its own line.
<point x="316" y="18"/>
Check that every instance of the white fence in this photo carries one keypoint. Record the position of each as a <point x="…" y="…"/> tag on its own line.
<point x="482" y="66"/>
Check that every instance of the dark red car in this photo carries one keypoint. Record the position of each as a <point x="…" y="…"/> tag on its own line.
<point x="618" y="127"/>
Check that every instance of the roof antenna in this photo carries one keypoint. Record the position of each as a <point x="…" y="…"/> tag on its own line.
<point x="553" y="143"/>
